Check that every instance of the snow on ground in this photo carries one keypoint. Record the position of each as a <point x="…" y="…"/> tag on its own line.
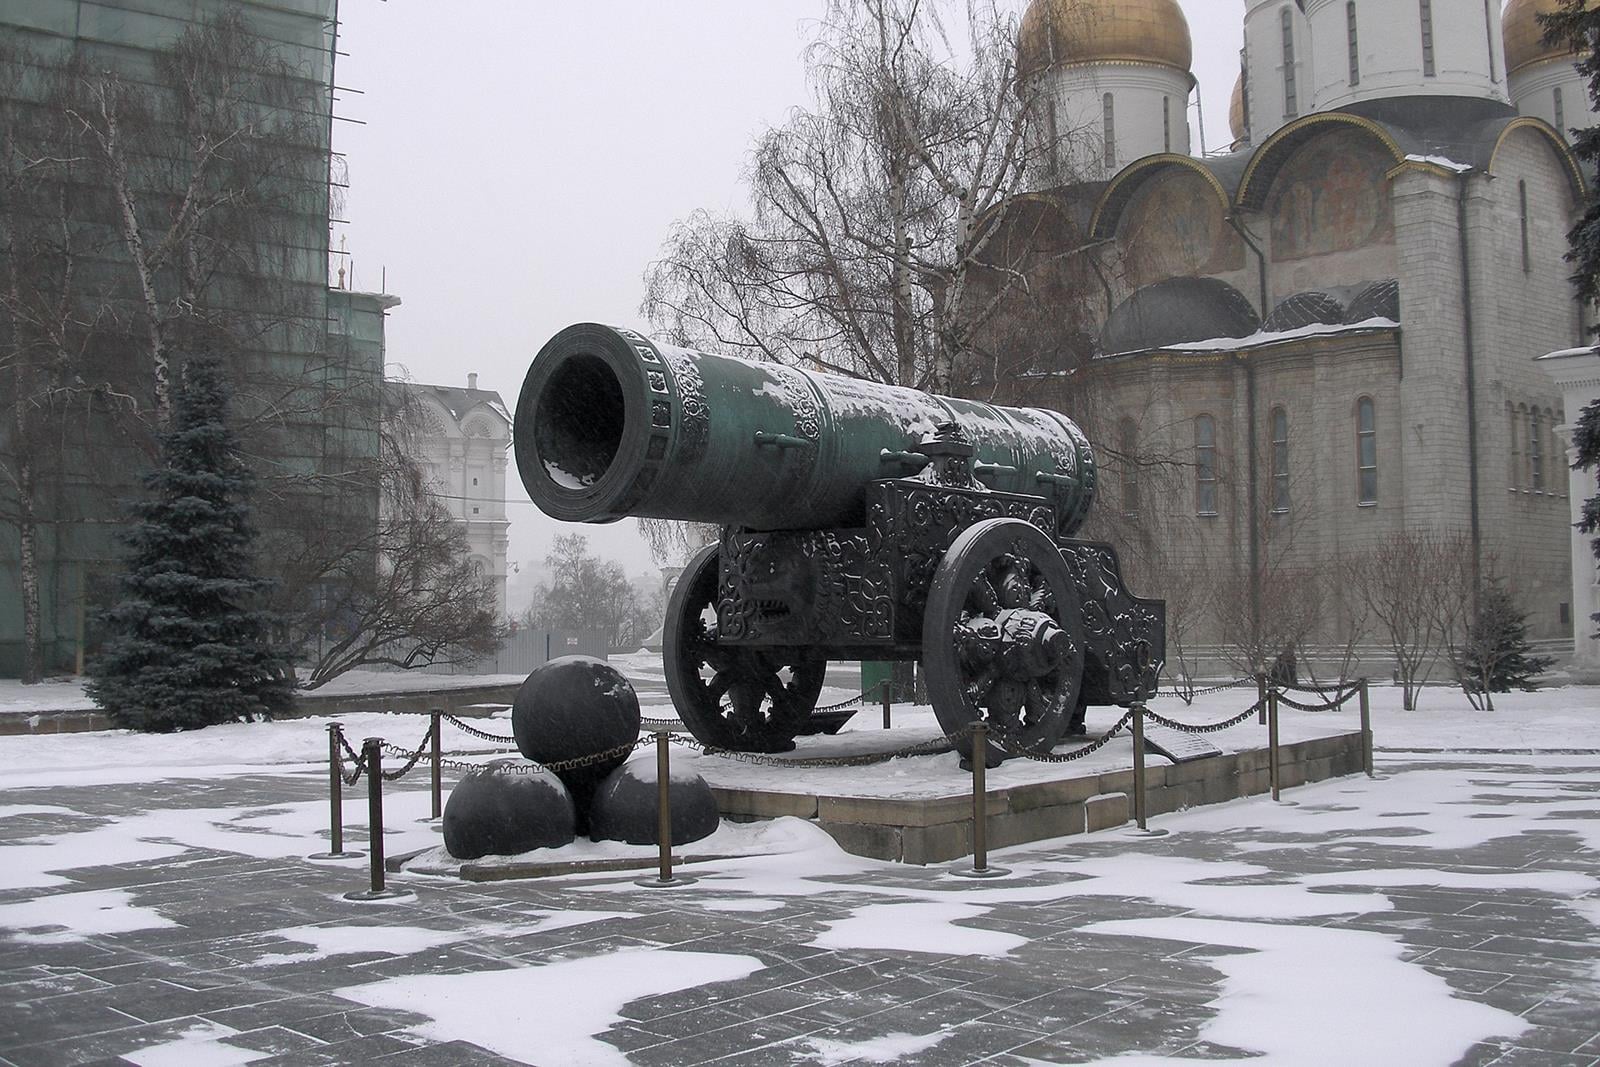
<point x="488" y="1008"/>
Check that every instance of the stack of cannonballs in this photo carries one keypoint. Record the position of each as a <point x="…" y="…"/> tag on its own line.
<point x="569" y="709"/>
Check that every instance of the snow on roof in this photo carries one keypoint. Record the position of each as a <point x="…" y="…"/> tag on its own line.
<point x="1571" y="353"/>
<point x="1272" y="337"/>
<point x="1440" y="161"/>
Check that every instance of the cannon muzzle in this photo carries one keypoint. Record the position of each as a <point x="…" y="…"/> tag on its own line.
<point x="610" y="424"/>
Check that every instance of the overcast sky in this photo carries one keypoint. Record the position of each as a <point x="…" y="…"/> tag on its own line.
<point x="515" y="166"/>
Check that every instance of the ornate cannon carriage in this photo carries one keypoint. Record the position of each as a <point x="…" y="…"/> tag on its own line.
<point x="860" y="521"/>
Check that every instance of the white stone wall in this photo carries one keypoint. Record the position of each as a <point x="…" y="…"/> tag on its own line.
<point x="1533" y="91"/>
<point x="1264" y="61"/>
<point x="1577" y="374"/>
<point x="1468" y="50"/>
<point x="466" y="465"/>
<point x="1139" y="92"/>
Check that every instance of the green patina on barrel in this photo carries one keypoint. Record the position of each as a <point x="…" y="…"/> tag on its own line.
<point x="611" y="425"/>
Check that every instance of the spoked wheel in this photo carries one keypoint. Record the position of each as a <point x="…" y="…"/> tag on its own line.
<point x="744" y="699"/>
<point x="1002" y="638"/>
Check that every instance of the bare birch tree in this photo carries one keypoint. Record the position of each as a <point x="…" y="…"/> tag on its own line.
<point x="1417" y="585"/>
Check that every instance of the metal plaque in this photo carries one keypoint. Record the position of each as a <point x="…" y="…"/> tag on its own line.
<point x="1178" y="746"/>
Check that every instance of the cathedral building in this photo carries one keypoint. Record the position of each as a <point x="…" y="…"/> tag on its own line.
<point x="1325" y="334"/>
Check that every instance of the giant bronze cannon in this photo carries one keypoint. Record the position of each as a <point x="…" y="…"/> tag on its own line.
<point x="859" y="521"/>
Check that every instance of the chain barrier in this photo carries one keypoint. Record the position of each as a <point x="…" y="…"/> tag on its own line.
<point x="933" y="747"/>
<point x="1337" y="687"/>
<point x="1237" y="683"/>
<point x="475" y="732"/>
<point x="356" y="759"/>
<point x="1332" y="705"/>
<point x="1204" y="728"/>
<point x="658" y="724"/>
<point x="1002" y="742"/>
<point x="410" y="758"/>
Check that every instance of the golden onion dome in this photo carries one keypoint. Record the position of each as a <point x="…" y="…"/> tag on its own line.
<point x="1236" y="110"/>
<point x="1524" y="35"/>
<point x="1087" y="31"/>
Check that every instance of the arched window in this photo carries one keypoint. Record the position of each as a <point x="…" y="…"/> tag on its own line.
<point x="1366" y="451"/>
<point x="1535" y="452"/>
<point x="1280" y="460"/>
<point x="1355" y="44"/>
<point x="1053" y="133"/>
<point x="1205" y="465"/>
<point x="1519" y="435"/>
<point x="1166" y="123"/>
<point x="1128" y="444"/>
<point x="1561" y="113"/>
<point x="1425" y="10"/>
<point x="1291" y="103"/>
<point x="1110" y="131"/>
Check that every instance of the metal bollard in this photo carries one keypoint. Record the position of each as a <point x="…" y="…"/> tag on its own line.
<point x="1272" y="739"/>
<point x="438" y="790"/>
<point x="1138" y="765"/>
<point x="1366" y="728"/>
<point x="372" y="753"/>
<point x="1261" y="700"/>
<point x="887" y="692"/>
<point x="664" y="878"/>
<point x="336" y="849"/>
<point x="980" y="808"/>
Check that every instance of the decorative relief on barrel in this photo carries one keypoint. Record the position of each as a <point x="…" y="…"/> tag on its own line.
<point x="695" y="431"/>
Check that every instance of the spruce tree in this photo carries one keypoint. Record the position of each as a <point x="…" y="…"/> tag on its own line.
<point x="190" y="644"/>
<point x="1496" y="656"/>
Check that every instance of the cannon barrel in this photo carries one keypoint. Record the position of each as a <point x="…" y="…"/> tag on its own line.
<point x="610" y="424"/>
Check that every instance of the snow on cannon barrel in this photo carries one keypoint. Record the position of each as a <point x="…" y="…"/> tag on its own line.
<point x="859" y="521"/>
<point x="612" y="425"/>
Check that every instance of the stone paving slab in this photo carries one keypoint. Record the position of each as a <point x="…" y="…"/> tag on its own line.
<point x="1065" y="993"/>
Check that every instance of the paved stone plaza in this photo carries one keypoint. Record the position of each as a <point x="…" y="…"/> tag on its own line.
<point x="1446" y="911"/>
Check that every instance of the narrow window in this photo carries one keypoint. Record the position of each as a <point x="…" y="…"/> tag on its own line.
<point x="1110" y="132"/>
<point x="1166" y="122"/>
<point x="1522" y="207"/>
<point x="1051" y="131"/>
<point x="1519" y="432"/>
<point x="1535" y="452"/>
<point x="1291" y="105"/>
<point x="1516" y="447"/>
<point x="1280" y="460"/>
<point x="1367" y="450"/>
<point x="1561" y="112"/>
<point x="1426" y="7"/>
<point x="1128" y="442"/>
<point x="1489" y="25"/>
<point x="1355" y="46"/>
<point x="1205" y="465"/>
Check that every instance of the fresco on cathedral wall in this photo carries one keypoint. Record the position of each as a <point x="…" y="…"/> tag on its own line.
<point x="1174" y="227"/>
<point x="1332" y="197"/>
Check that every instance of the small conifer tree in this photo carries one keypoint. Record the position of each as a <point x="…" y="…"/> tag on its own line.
<point x="1496" y="655"/>
<point x="190" y="644"/>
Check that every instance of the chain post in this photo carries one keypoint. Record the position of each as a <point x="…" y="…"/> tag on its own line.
<point x="336" y="849"/>
<point x="1366" y="728"/>
<point x="665" y="878"/>
<point x="980" y="808"/>
<point x="1272" y="740"/>
<point x="438" y="791"/>
<point x="887" y="692"/>
<point x="1261" y="699"/>
<point x="372" y="755"/>
<point x="1138" y="765"/>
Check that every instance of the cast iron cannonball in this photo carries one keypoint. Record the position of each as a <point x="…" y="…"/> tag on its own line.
<point x="507" y="808"/>
<point x="573" y="707"/>
<point x="624" y="807"/>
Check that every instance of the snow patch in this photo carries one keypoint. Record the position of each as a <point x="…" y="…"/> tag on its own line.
<point x="929" y="927"/>
<point x="200" y="1046"/>
<point x="1276" y="998"/>
<point x="490" y="1008"/>
<point x="886" y="1049"/>
<point x="61" y="918"/>
<point x="565" y="478"/>
<point x="1440" y="161"/>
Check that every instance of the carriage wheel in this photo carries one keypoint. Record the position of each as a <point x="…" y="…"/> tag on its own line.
<point x="743" y="699"/>
<point x="1002" y="638"/>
